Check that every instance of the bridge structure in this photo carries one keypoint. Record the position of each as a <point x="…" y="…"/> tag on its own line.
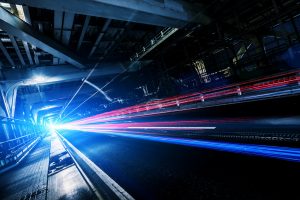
<point x="149" y="99"/>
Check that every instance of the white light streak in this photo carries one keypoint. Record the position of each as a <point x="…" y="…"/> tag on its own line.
<point x="175" y="128"/>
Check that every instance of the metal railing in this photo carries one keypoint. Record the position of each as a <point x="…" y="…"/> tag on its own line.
<point x="12" y="151"/>
<point x="154" y="42"/>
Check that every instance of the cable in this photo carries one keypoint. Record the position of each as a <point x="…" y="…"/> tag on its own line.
<point x="78" y="90"/>
<point x="114" y="78"/>
<point x="81" y="104"/>
<point x="125" y="70"/>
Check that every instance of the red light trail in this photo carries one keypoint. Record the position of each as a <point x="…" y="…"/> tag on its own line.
<point x="160" y="105"/>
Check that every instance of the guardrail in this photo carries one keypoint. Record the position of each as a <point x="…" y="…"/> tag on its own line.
<point x="154" y="42"/>
<point x="13" y="144"/>
<point x="101" y="183"/>
<point x="12" y="152"/>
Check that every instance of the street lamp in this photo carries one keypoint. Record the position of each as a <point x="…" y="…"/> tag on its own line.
<point x="38" y="79"/>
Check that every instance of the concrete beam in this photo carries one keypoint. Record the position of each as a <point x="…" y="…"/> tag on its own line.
<point x="18" y="28"/>
<point x="169" y="13"/>
<point x="36" y="58"/>
<point x="100" y="36"/>
<point x="6" y="54"/>
<point x="12" y="100"/>
<point x="63" y="23"/>
<point x="27" y="52"/>
<point x="26" y="14"/>
<point x="84" y="29"/>
<point x="67" y="28"/>
<point x="58" y="19"/>
<point x="14" y="43"/>
<point x="53" y="74"/>
<point x="5" y="106"/>
<point x="59" y="73"/>
<point x="28" y="21"/>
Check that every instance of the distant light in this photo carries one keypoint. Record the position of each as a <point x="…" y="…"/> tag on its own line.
<point x="64" y="127"/>
<point x="38" y="79"/>
<point x="52" y="127"/>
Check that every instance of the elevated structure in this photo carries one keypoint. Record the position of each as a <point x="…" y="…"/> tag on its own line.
<point x="163" y="71"/>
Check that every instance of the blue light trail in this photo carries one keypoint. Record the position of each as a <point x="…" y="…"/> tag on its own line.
<point x="283" y="153"/>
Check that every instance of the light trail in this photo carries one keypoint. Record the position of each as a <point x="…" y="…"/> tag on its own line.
<point x="173" y="128"/>
<point x="283" y="153"/>
<point x="78" y="90"/>
<point x="166" y="125"/>
<point x="157" y="105"/>
<point x="111" y="122"/>
<point x="87" y="99"/>
<point x="145" y="131"/>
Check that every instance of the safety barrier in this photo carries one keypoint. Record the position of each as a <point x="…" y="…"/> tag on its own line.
<point x="12" y="152"/>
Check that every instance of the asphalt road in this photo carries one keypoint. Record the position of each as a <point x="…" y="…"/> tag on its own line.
<point x="154" y="170"/>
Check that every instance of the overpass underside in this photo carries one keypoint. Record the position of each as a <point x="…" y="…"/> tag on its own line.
<point x="150" y="99"/>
